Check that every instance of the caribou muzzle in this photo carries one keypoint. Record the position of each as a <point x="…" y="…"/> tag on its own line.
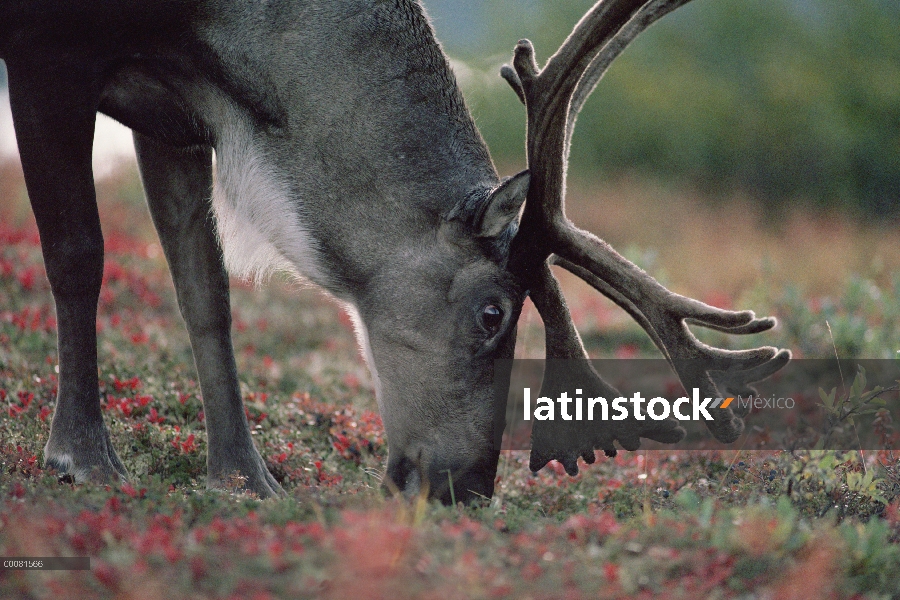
<point x="448" y="481"/>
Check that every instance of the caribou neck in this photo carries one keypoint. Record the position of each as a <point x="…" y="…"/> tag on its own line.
<point x="358" y="147"/>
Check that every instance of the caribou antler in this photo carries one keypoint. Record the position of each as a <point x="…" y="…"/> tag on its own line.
<point x="552" y="97"/>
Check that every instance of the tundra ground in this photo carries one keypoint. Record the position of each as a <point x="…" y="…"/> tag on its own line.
<point x="646" y="524"/>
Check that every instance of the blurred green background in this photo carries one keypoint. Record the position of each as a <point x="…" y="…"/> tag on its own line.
<point x="773" y="99"/>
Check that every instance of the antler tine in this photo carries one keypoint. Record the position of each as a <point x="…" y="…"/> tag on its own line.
<point x="677" y="303"/>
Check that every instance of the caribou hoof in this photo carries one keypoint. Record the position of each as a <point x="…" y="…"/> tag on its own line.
<point x="85" y="458"/>
<point x="244" y="473"/>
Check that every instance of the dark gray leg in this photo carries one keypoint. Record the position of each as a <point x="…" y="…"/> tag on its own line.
<point x="178" y="183"/>
<point x="54" y="108"/>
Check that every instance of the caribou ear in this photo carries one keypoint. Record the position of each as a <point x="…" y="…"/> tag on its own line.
<point x="503" y="206"/>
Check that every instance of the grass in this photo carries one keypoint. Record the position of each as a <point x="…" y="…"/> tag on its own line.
<point x="645" y="524"/>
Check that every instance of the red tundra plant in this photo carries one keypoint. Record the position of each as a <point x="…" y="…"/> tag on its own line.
<point x="375" y="554"/>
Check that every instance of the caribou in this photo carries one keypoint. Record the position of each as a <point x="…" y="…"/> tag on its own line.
<point x="344" y="154"/>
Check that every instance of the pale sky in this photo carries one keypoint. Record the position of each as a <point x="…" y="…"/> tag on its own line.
<point x="112" y="141"/>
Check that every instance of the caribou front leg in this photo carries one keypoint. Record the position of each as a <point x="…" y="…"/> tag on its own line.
<point x="178" y="184"/>
<point x="54" y="117"/>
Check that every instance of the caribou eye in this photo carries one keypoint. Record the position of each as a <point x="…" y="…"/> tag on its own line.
<point x="491" y="318"/>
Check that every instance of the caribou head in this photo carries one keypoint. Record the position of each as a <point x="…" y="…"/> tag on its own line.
<point x="517" y="265"/>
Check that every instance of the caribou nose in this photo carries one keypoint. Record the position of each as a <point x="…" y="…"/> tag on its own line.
<point x="403" y="476"/>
